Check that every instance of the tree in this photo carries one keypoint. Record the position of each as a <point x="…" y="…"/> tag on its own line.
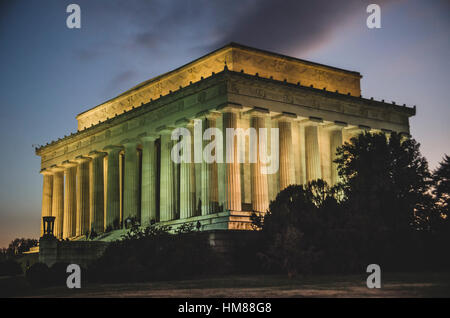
<point x="387" y="185"/>
<point x="298" y="227"/>
<point x="441" y="179"/>
<point x="20" y="245"/>
<point x="386" y="179"/>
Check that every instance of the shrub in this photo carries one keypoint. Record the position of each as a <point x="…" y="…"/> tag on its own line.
<point x="58" y="274"/>
<point x="10" y="268"/>
<point x="39" y="275"/>
<point x="154" y="254"/>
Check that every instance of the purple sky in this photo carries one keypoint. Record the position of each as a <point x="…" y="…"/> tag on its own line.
<point x="50" y="73"/>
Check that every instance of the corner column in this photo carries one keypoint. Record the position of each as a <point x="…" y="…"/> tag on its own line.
<point x="47" y="194"/>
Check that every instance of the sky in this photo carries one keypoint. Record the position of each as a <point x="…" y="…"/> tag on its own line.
<point x="50" y="73"/>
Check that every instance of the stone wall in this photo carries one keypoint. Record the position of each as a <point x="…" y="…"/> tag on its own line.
<point x="52" y="251"/>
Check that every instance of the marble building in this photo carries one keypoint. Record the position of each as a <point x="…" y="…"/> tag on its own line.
<point x="117" y="166"/>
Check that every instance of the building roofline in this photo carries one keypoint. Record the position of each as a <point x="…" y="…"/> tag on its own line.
<point x="223" y="48"/>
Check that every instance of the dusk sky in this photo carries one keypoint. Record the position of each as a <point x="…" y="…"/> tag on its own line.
<point x="50" y="73"/>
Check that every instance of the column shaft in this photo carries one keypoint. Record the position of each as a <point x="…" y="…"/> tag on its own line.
<point x="209" y="194"/>
<point x="232" y="171"/>
<point x="313" y="170"/>
<point x="167" y="200"/>
<point x="148" y="205"/>
<point x="70" y="202"/>
<point x="97" y="217"/>
<point x="83" y="205"/>
<point x="112" y="189"/>
<point x="336" y="141"/>
<point x="131" y="182"/>
<point x="47" y="194"/>
<point x="285" y="131"/>
<point x="187" y="184"/>
<point x="58" y="202"/>
<point x="260" y="198"/>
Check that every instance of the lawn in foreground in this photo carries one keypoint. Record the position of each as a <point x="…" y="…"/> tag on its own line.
<point x="393" y="285"/>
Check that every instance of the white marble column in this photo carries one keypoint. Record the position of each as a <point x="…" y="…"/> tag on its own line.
<point x="83" y="201"/>
<point x="167" y="193"/>
<point x="47" y="194"/>
<point x="148" y="199"/>
<point x="259" y="186"/>
<point x="113" y="187"/>
<point x="187" y="182"/>
<point x="209" y="190"/>
<point x="58" y="200"/>
<point x="313" y="169"/>
<point x="285" y="135"/>
<point x="233" y="200"/>
<point x="335" y="142"/>
<point x="131" y="181"/>
<point x="70" y="199"/>
<point x="96" y="195"/>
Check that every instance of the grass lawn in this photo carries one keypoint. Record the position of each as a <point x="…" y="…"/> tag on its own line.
<point x="393" y="285"/>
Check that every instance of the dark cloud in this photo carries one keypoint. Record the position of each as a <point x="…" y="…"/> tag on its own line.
<point x="162" y="29"/>
<point x="125" y="76"/>
<point x="292" y="24"/>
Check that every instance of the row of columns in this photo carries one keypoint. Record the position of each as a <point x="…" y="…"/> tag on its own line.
<point x="80" y="204"/>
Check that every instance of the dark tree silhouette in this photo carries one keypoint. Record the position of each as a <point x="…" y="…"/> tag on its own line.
<point x="20" y="245"/>
<point x="441" y="178"/>
<point x="386" y="179"/>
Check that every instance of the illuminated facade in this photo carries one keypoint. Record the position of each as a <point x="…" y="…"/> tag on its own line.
<point x="117" y="166"/>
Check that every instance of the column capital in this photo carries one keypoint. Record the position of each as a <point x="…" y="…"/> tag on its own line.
<point x="285" y="116"/>
<point x="96" y="154"/>
<point x="69" y="164"/>
<point x="81" y="159"/>
<point x="312" y="121"/>
<point x="183" y="122"/>
<point x="128" y="142"/>
<point x="208" y="114"/>
<point x="164" y="130"/>
<point x="257" y="112"/>
<point x="364" y="128"/>
<point x="230" y="107"/>
<point x="144" y="137"/>
<point x="57" y="168"/>
<point x="336" y="125"/>
<point x="111" y="148"/>
<point x="46" y="172"/>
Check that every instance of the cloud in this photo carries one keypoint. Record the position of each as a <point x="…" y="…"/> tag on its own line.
<point x="117" y="82"/>
<point x="177" y="30"/>
<point x="291" y="24"/>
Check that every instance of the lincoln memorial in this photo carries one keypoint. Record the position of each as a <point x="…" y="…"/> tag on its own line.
<point x="117" y="167"/>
